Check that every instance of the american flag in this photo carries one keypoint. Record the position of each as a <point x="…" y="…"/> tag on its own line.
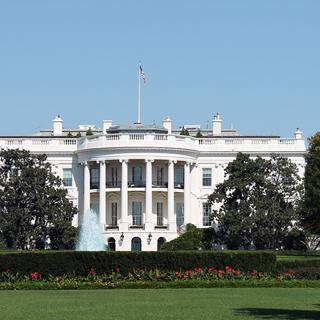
<point x="142" y="75"/>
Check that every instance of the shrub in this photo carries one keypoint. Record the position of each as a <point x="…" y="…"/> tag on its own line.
<point x="58" y="263"/>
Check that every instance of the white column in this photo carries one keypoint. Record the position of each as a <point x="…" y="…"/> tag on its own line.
<point x="102" y="195"/>
<point x="187" y="193"/>
<point x="171" y="212"/>
<point x="148" y="222"/>
<point x="86" y="187"/>
<point x="124" y="196"/>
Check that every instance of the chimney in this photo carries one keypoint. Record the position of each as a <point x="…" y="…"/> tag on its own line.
<point x="107" y="124"/>
<point x="167" y="124"/>
<point x="216" y="124"/>
<point x="298" y="134"/>
<point x="57" y="126"/>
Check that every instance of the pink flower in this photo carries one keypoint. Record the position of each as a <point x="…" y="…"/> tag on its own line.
<point x="34" y="275"/>
<point x="178" y="274"/>
<point x="198" y="270"/>
<point x="189" y="273"/>
<point x="236" y="272"/>
<point x="212" y="270"/>
<point x="117" y="269"/>
<point x="92" y="272"/>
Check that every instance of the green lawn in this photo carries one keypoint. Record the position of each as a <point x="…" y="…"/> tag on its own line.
<point x="186" y="304"/>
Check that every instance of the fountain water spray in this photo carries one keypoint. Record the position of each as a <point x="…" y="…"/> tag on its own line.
<point x="91" y="238"/>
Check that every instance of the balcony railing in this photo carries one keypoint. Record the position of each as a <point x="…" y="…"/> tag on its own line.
<point x="159" y="184"/>
<point x="136" y="184"/>
<point x="113" y="184"/>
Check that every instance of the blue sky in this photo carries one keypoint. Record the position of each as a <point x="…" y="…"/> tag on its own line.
<point x="256" y="62"/>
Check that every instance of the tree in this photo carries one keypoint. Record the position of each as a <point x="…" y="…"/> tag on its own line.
<point x="190" y="240"/>
<point x="70" y="135"/>
<point x="310" y="208"/>
<point x="184" y="132"/>
<point x="34" y="208"/>
<point x="89" y="132"/>
<point x="257" y="202"/>
<point x="199" y="134"/>
<point x="78" y="135"/>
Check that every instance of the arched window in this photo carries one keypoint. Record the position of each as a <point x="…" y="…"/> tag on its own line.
<point x="136" y="244"/>
<point x="112" y="244"/>
<point x="161" y="241"/>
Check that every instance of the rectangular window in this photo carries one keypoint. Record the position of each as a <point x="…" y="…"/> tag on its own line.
<point x="206" y="177"/>
<point x="136" y="175"/>
<point x="114" y="213"/>
<point x="159" y="213"/>
<point x="114" y="177"/>
<point x="136" y="213"/>
<point x="67" y="177"/>
<point x="159" y="181"/>
<point x="179" y="214"/>
<point x="178" y="176"/>
<point x="206" y="211"/>
<point x="94" y="178"/>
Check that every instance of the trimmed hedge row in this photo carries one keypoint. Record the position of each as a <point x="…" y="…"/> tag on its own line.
<point x="285" y="265"/>
<point x="296" y="253"/>
<point x="59" y="263"/>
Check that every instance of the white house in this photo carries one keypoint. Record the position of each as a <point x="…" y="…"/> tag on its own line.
<point x="147" y="181"/>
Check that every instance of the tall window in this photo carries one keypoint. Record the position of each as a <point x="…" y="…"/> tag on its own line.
<point x="136" y="213"/>
<point x="136" y="175"/>
<point x="206" y="211"/>
<point x="159" y="181"/>
<point x="67" y="177"/>
<point x="159" y="213"/>
<point x="114" y="177"/>
<point x="136" y="244"/>
<point x="114" y="213"/>
<point x="179" y="214"/>
<point x="179" y="176"/>
<point x="94" y="178"/>
<point x="206" y="177"/>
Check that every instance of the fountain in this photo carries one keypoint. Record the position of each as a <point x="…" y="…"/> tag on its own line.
<point x="91" y="238"/>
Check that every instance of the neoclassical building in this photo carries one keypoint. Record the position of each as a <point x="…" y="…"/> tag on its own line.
<point x="145" y="181"/>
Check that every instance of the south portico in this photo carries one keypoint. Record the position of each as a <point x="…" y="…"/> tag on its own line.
<point x="144" y="198"/>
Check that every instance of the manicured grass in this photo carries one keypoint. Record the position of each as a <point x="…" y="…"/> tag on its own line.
<point x="240" y="303"/>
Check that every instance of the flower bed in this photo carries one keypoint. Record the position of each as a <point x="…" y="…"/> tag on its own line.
<point x="142" y="278"/>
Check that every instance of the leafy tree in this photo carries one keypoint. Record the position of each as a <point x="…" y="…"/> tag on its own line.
<point x="89" y="132"/>
<point x="78" y="135"/>
<point x="295" y="240"/>
<point x="190" y="240"/>
<point x="199" y="134"/>
<point x="257" y="202"/>
<point x="184" y="132"/>
<point x="34" y="208"/>
<point x="70" y="135"/>
<point x="310" y="209"/>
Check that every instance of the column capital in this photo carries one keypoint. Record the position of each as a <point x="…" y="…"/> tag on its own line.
<point x="84" y="163"/>
<point x="103" y="162"/>
<point x="124" y="160"/>
<point x="149" y="160"/>
<point x="172" y="161"/>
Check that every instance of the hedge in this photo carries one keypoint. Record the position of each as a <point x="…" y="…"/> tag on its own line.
<point x="59" y="263"/>
<point x="296" y="265"/>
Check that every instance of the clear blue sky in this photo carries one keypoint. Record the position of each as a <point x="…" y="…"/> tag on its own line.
<point x="257" y="62"/>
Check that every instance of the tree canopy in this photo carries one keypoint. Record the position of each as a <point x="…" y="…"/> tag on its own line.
<point x="310" y="209"/>
<point x="257" y="202"/>
<point x="34" y="209"/>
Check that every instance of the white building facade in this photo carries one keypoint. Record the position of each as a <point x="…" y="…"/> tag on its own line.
<point x="147" y="182"/>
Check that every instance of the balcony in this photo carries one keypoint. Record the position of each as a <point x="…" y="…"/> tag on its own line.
<point x="136" y="184"/>
<point x="113" y="184"/>
<point x="159" y="184"/>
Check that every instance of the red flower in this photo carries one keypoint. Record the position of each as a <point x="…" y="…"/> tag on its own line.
<point x="117" y="269"/>
<point x="189" y="273"/>
<point x="236" y="272"/>
<point x="92" y="272"/>
<point x="34" y="275"/>
<point x="198" y="270"/>
<point x="178" y="274"/>
<point x="8" y="271"/>
<point x="212" y="270"/>
<point x="229" y="269"/>
<point x="221" y="272"/>
<point x="254" y="273"/>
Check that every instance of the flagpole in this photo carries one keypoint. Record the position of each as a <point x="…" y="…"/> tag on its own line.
<point x="139" y="95"/>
